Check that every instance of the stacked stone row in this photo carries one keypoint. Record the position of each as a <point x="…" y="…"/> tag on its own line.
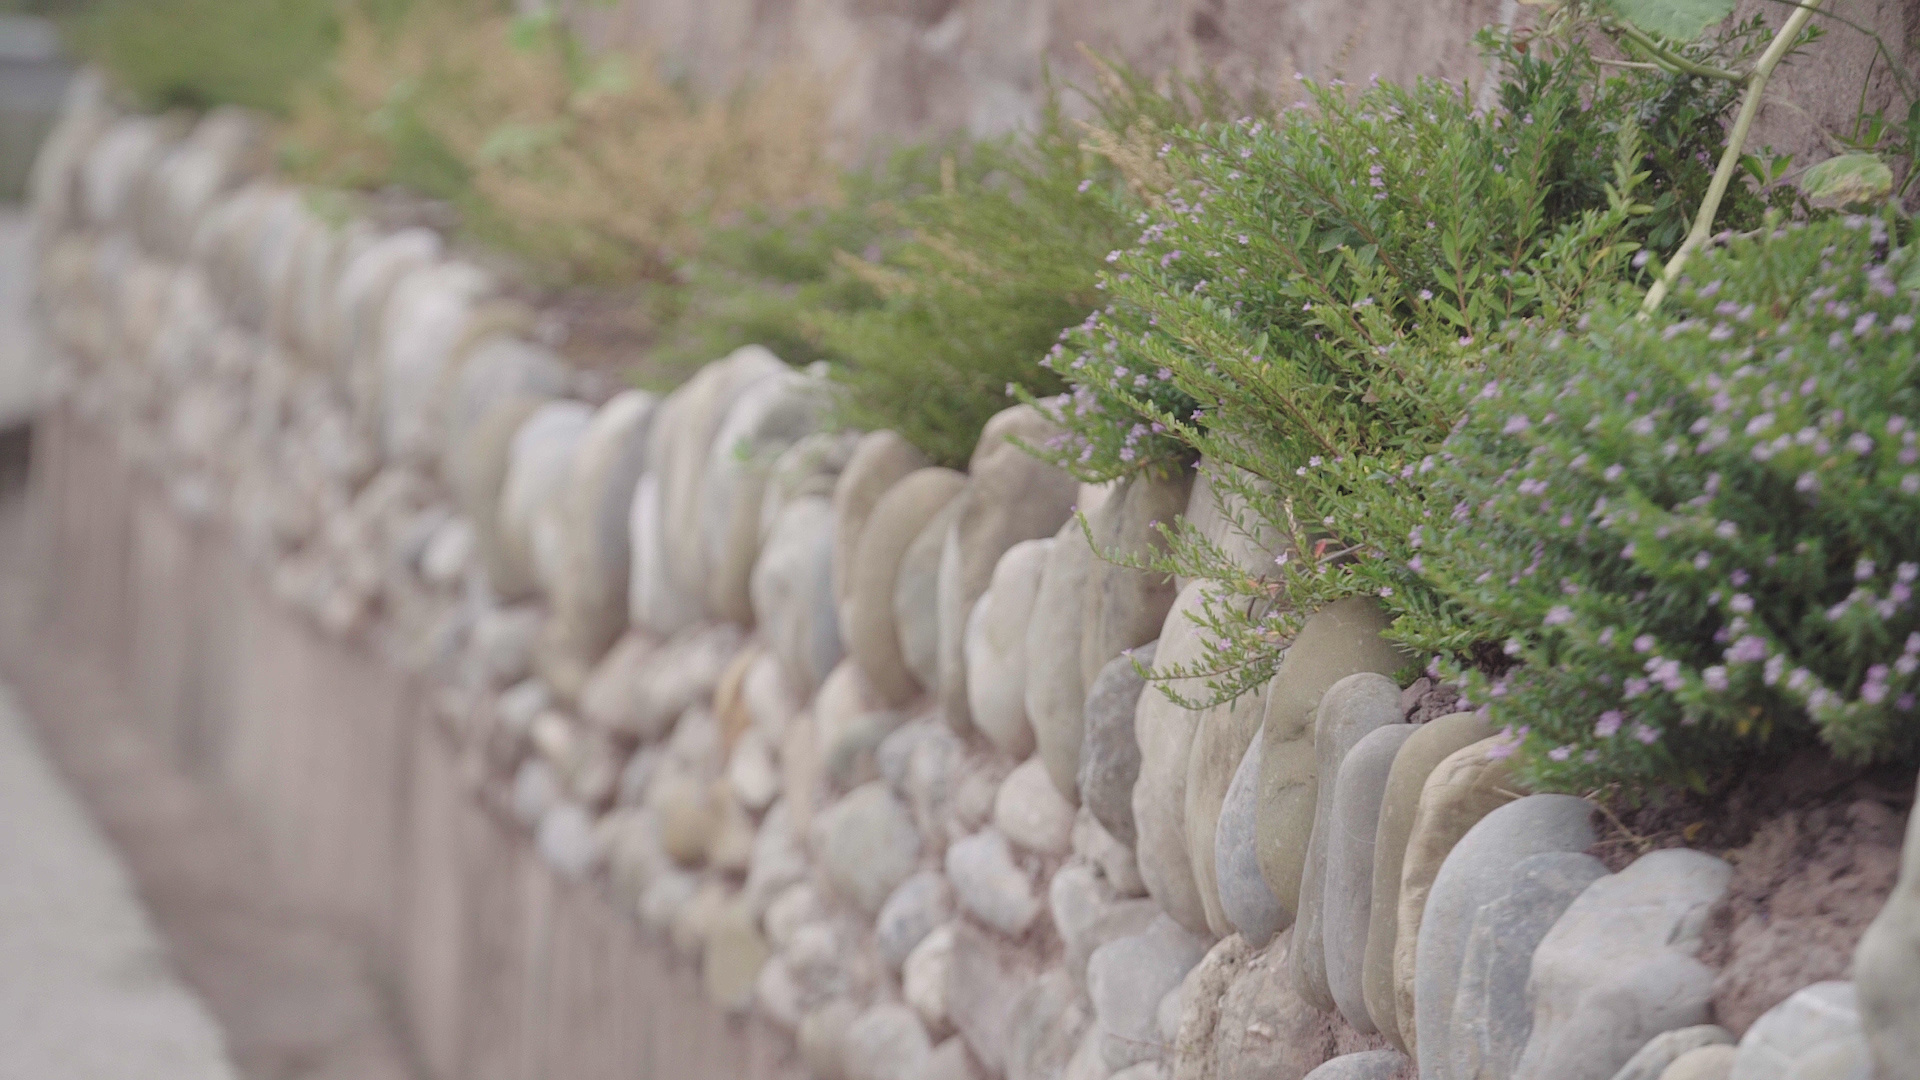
<point x="873" y="741"/>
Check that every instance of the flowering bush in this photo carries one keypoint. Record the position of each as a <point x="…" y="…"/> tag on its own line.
<point x="1301" y="305"/>
<point x="1698" y="533"/>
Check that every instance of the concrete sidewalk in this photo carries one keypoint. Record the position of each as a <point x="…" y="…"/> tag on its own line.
<point x="86" y="990"/>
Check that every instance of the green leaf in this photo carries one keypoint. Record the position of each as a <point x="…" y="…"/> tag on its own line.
<point x="1675" y="20"/>
<point x="1847" y="179"/>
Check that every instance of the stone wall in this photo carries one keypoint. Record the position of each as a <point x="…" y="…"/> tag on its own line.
<point x="683" y="736"/>
<point x="909" y="69"/>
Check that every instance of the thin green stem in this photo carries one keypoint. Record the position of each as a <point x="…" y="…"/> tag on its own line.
<point x="1668" y="58"/>
<point x="1783" y="43"/>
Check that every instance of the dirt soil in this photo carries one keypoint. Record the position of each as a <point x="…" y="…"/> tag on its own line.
<point x="1815" y="846"/>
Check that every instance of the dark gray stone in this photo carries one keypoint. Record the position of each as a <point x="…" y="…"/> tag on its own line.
<point x="1109" y="754"/>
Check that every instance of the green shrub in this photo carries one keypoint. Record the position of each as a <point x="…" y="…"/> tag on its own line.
<point x="993" y="265"/>
<point x="1700" y="533"/>
<point x="200" y="53"/>
<point x="762" y="277"/>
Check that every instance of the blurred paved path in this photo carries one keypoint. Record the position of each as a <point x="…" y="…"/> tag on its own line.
<point x="86" y="990"/>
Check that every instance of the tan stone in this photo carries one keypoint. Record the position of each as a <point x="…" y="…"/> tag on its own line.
<point x="1219" y="742"/>
<point x="1423" y="750"/>
<point x="1339" y="640"/>
<point x="1165" y="732"/>
<point x="869" y="627"/>
<point x="1011" y="496"/>
<point x="1055" y="693"/>
<point x="1467" y="786"/>
<point x="880" y="460"/>
<point x="1124" y="607"/>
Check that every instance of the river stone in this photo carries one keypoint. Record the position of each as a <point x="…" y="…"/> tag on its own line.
<point x="1109" y="753"/>
<point x="654" y="600"/>
<point x="778" y="860"/>
<point x="1482" y="871"/>
<point x="990" y="884"/>
<point x="538" y="461"/>
<point x="1221" y="514"/>
<point x="921" y="903"/>
<point x="1650" y="1061"/>
<point x="1418" y="756"/>
<point x="1245" y="898"/>
<point x="1220" y="745"/>
<point x="983" y="988"/>
<point x="808" y="469"/>
<point x="880" y="460"/>
<point x="1471" y="783"/>
<point x="951" y="1060"/>
<point x="1353" y="819"/>
<point x="849" y="725"/>
<point x="1619" y="966"/>
<point x="1030" y="811"/>
<point x="595" y="507"/>
<point x="498" y="368"/>
<point x="1886" y="971"/>
<point x="822" y="1039"/>
<point x="1124" y="607"/>
<point x="753" y="776"/>
<point x="426" y="318"/>
<point x="868" y="624"/>
<point x="1365" y="1065"/>
<point x="1088" y="915"/>
<point x="996" y="646"/>
<point x="1055" y="690"/>
<point x="1164" y="731"/>
<point x="1814" y="1035"/>
<point x="867" y="844"/>
<point x="916" y="596"/>
<point x="730" y="964"/>
<point x="793" y="595"/>
<point x="1127" y="977"/>
<point x="1339" y="640"/>
<point x="1704" y="1063"/>
<point x="478" y="473"/>
<point x="1114" y="860"/>
<point x="674" y="677"/>
<point x="924" y="976"/>
<point x="1048" y="1023"/>
<point x="1011" y="497"/>
<point x="680" y="451"/>
<point x="887" y="1042"/>
<point x="1348" y="710"/>
<point x="771" y="412"/>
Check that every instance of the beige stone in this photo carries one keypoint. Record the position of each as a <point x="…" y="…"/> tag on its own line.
<point x="880" y="460"/>
<point x="996" y="668"/>
<point x="1348" y="710"/>
<point x="1123" y="607"/>
<point x="1702" y="1063"/>
<point x="869" y="627"/>
<point x="1055" y="692"/>
<point x="1012" y="496"/>
<point x="1339" y="640"/>
<point x="1468" y="785"/>
<point x="917" y="612"/>
<point x="1219" y="742"/>
<point x="1165" y="732"/>
<point x="1418" y="756"/>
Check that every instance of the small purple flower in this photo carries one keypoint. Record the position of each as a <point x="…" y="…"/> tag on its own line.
<point x="1558" y="615"/>
<point x="1609" y="723"/>
<point x="1750" y="649"/>
<point x="1645" y="734"/>
<point x="1715" y="678"/>
<point x="1560" y="753"/>
<point x="1644" y="643"/>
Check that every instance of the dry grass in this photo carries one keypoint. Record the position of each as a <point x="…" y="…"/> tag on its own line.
<point x="592" y="165"/>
